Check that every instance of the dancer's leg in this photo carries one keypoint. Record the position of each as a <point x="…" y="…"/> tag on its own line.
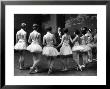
<point x="21" y="60"/>
<point x="77" y="59"/>
<point x="80" y="60"/>
<point x="35" y="62"/>
<point x="64" y="63"/>
<point x="51" y="64"/>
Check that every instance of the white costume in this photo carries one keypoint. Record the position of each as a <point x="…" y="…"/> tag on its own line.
<point x="76" y="46"/>
<point x="34" y="46"/>
<point x="21" y="37"/>
<point x="65" y="49"/>
<point x="84" y="45"/>
<point x="88" y="40"/>
<point x="49" y="49"/>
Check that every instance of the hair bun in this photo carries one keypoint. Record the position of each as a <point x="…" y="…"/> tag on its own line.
<point x="23" y="24"/>
<point x="35" y="25"/>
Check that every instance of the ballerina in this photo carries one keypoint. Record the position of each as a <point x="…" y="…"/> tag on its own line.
<point x="76" y="49"/>
<point x="65" y="50"/>
<point x="86" y="51"/>
<point x="34" y="47"/>
<point x="21" y="44"/>
<point x="49" y="50"/>
<point x="90" y="44"/>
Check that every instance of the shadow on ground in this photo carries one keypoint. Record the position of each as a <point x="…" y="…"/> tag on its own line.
<point x="90" y="70"/>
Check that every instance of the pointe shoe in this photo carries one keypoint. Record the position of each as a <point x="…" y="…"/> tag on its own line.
<point x="94" y="59"/>
<point x="80" y="67"/>
<point x="36" y="70"/>
<point x="89" y="60"/>
<point x="31" y="70"/>
<point x="83" y="65"/>
<point x="65" y="69"/>
<point x="50" y="71"/>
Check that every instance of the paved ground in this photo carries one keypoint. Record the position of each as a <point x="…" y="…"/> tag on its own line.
<point x="90" y="70"/>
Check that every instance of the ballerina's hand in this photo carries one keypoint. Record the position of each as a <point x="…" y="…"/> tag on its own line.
<point x="57" y="46"/>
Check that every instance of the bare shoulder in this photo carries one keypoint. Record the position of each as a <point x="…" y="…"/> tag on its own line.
<point x="43" y="36"/>
<point x="63" y="36"/>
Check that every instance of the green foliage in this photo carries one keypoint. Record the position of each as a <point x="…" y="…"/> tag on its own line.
<point x="76" y="22"/>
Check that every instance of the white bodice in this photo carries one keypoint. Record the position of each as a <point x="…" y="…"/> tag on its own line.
<point x="83" y="40"/>
<point x="66" y="39"/>
<point x="21" y="35"/>
<point x="34" y="36"/>
<point x="49" y="39"/>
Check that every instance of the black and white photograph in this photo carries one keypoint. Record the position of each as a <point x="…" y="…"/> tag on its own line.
<point x="55" y="45"/>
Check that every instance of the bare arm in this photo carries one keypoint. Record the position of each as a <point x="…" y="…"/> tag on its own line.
<point x="44" y="41"/>
<point x="71" y="39"/>
<point x="25" y="38"/>
<point x="75" y="39"/>
<point x="16" y="38"/>
<point x="61" y="41"/>
<point x="29" y="39"/>
<point x="54" y="39"/>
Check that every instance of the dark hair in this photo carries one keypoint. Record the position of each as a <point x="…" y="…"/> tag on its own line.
<point x="49" y="29"/>
<point x="90" y="30"/>
<point x="23" y="25"/>
<point x="65" y="30"/>
<point x="77" y="32"/>
<point x="84" y="31"/>
<point x="85" y="28"/>
<point x="35" y="26"/>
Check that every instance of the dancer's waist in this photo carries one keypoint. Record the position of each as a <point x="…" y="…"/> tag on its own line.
<point x="21" y="40"/>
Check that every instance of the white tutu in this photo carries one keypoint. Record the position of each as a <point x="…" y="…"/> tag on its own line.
<point x="50" y="51"/>
<point x="86" y="48"/>
<point x="77" y="48"/>
<point x="34" y="47"/>
<point x="65" y="50"/>
<point x="21" y="45"/>
<point x="92" y="45"/>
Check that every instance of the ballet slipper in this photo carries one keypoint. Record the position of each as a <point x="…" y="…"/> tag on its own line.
<point x="80" y="67"/>
<point x="83" y="65"/>
<point x="89" y="60"/>
<point x="31" y="70"/>
<point x="50" y="71"/>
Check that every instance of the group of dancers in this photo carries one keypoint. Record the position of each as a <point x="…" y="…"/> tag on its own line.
<point x="83" y="45"/>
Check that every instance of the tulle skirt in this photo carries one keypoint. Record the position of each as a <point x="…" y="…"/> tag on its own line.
<point x="92" y="45"/>
<point x="21" y="45"/>
<point x="77" y="48"/>
<point x="50" y="51"/>
<point x="65" y="50"/>
<point x="86" y="48"/>
<point x="34" y="47"/>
